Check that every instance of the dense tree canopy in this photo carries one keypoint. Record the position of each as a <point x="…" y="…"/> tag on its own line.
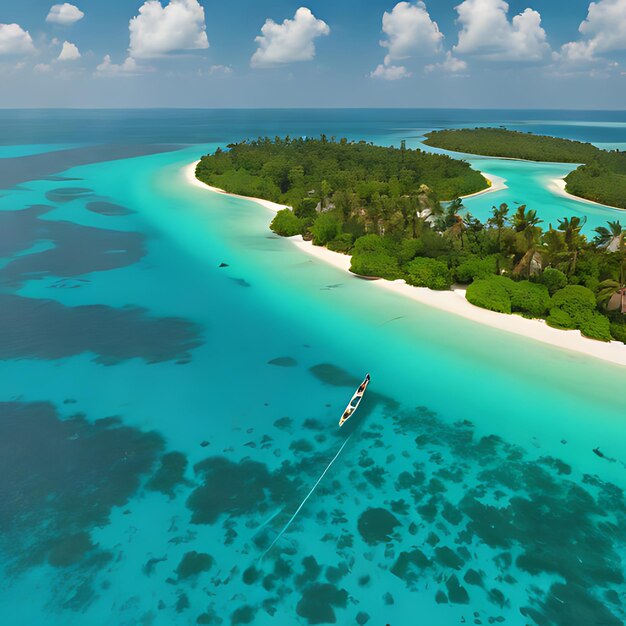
<point x="512" y="144"/>
<point x="601" y="177"/>
<point x="356" y="177"/>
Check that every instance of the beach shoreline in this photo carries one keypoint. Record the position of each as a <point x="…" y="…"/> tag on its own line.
<point x="452" y="301"/>
<point x="557" y="185"/>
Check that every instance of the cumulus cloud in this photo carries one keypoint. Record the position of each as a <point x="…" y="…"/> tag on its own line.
<point x="293" y="40"/>
<point x="450" y="65"/>
<point x="15" y="40"/>
<point x="487" y="33"/>
<point x="159" y="30"/>
<point x="109" y="69"/>
<point x="602" y="31"/>
<point x="390" y="72"/>
<point x="65" y="14"/>
<point x="410" y="32"/>
<point x="69" y="52"/>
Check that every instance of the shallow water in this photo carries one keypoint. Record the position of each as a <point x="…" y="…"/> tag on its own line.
<point x="164" y="416"/>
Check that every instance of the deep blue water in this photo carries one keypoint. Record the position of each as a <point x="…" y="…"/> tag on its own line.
<point x="171" y="375"/>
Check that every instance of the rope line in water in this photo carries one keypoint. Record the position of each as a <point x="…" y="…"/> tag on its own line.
<point x="308" y="495"/>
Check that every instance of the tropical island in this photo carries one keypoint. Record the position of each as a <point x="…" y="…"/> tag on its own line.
<point x="382" y="206"/>
<point x="601" y="177"/>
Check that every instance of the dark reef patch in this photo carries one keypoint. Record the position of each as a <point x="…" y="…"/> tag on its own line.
<point x="193" y="564"/>
<point x="376" y="525"/>
<point x="170" y="473"/>
<point x="108" y="209"/>
<point x="410" y="565"/>
<point x="332" y="375"/>
<point x="67" y="194"/>
<point x="59" y="479"/>
<point x="283" y="361"/>
<point x="243" y="615"/>
<point x="318" y="602"/>
<point x="37" y="166"/>
<point x="310" y="571"/>
<point x="571" y="605"/>
<point x="46" y="329"/>
<point x="76" y="249"/>
<point x="234" y="489"/>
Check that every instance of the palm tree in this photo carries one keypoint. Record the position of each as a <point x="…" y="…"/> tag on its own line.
<point x="611" y="288"/>
<point x="451" y="222"/>
<point x="499" y="219"/>
<point x="613" y="239"/>
<point x="571" y="233"/>
<point x="473" y="226"/>
<point x="527" y="223"/>
<point x="610" y="239"/>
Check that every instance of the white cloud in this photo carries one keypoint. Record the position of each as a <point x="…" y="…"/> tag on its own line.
<point x="390" y="72"/>
<point x="15" y="40"/>
<point x="69" y="52"/>
<point x="220" y="69"/>
<point x="603" y="30"/>
<point x="486" y="32"/>
<point x="606" y="25"/>
<point x="42" y="68"/>
<point x="109" y="69"/>
<point x="450" y="65"/>
<point x="293" y="40"/>
<point x="159" y="30"/>
<point x="65" y="14"/>
<point x="410" y="32"/>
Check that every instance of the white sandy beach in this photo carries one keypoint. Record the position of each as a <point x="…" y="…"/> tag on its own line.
<point x="497" y="183"/>
<point x="557" y="185"/>
<point x="454" y="301"/>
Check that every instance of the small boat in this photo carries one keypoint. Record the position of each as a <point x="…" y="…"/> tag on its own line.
<point x="353" y="405"/>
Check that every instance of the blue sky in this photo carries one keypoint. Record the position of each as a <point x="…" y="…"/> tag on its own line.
<point x="277" y="53"/>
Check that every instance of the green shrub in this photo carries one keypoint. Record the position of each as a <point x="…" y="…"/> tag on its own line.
<point x="574" y="306"/>
<point x="376" y="264"/>
<point x="326" y="227"/>
<point x="473" y="268"/>
<point x="409" y="249"/>
<point x="618" y="331"/>
<point x="343" y="243"/>
<point x="553" y="279"/>
<point x="426" y="272"/>
<point x="560" y="319"/>
<point x="577" y="301"/>
<point x="490" y="293"/>
<point x="530" y="298"/>
<point x="596" y="326"/>
<point x="286" y="224"/>
<point x="369" y="243"/>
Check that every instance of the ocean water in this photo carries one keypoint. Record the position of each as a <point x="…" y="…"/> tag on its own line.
<point x="171" y="376"/>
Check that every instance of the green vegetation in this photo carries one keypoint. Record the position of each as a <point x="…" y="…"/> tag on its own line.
<point x="370" y="186"/>
<point x="601" y="177"/>
<point x="512" y="144"/>
<point x="510" y="262"/>
<point x="426" y="272"/>
<point x="602" y="180"/>
<point x="501" y="294"/>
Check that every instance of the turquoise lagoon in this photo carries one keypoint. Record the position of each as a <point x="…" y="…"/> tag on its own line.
<point x="162" y="417"/>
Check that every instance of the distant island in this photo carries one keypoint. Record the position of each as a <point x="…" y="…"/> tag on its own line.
<point x="382" y="206"/>
<point x="601" y="177"/>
